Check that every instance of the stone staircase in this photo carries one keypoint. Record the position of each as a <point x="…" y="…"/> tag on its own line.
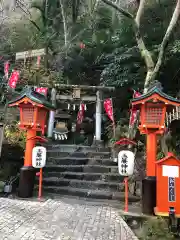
<point x="82" y="171"/>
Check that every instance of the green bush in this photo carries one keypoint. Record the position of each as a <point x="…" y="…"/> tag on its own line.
<point x="155" y="229"/>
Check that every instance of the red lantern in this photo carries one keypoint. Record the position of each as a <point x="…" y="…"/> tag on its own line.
<point x="153" y="107"/>
<point x="82" y="45"/>
<point x="33" y="115"/>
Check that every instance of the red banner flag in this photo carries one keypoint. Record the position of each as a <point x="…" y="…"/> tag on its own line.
<point x="108" y="106"/>
<point x="14" y="78"/>
<point x="6" y="69"/>
<point x="42" y="90"/>
<point x="80" y="115"/>
<point x="134" y="111"/>
<point x="38" y="61"/>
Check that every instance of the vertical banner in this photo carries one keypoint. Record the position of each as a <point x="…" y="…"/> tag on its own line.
<point x="38" y="61"/>
<point x="14" y="79"/>
<point x="6" y="69"/>
<point x="42" y="90"/>
<point x="133" y="110"/>
<point x="80" y="115"/>
<point x="108" y="106"/>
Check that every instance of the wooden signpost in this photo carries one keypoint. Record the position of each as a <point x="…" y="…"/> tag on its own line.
<point x="125" y="164"/>
<point x="39" y="161"/>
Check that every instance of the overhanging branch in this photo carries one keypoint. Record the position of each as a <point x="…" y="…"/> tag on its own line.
<point x="140" y="12"/>
<point x="119" y="9"/>
<point x="166" y="38"/>
<point x="145" y="53"/>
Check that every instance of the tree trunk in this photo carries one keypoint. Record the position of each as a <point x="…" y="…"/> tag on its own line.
<point x="148" y="80"/>
<point x="64" y="24"/>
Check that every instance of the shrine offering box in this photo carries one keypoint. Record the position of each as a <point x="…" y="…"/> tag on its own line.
<point x="168" y="186"/>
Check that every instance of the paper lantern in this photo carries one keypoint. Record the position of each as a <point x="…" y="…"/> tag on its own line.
<point x="39" y="157"/>
<point x="126" y="163"/>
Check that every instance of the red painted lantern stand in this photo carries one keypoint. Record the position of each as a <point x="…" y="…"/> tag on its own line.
<point x="153" y="107"/>
<point x="125" y="144"/>
<point x="33" y="115"/>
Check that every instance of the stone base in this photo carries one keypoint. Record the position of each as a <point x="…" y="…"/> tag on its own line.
<point x="26" y="182"/>
<point x="148" y="195"/>
<point x="98" y="143"/>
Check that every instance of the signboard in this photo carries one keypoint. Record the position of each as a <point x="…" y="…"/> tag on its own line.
<point x="31" y="53"/>
<point x="76" y="93"/>
<point x="126" y="163"/>
<point x="170" y="171"/>
<point x="171" y="189"/>
<point x="39" y="157"/>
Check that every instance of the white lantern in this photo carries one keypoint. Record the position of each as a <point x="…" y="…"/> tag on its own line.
<point x="39" y="157"/>
<point x="126" y="163"/>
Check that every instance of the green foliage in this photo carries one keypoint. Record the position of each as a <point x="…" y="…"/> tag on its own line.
<point x="154" y="229"/>
<point x="14" y="135"/>
<point x="124" y="68"/>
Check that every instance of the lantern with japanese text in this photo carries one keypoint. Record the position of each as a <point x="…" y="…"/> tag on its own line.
<point x="126" y="163"/>
<point x="33" y="108"/>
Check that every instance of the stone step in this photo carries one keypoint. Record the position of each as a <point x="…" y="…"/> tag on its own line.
<point x="94" y="185"/>
<point x="58" y="153"/>
<point x="82" y="168"/>
<point x="67" y="161"/>
<point x="85" y="176"/>
<point x="73" y="160"/>
<point x="72" y="148"/>
<point x="97" y="194"/>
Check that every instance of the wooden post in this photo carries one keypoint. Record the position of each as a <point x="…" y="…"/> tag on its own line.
<point x="151" y="154"/>
<point x="27" y="172"/>
<point x="30" y="143"/>
<point x="126" y="194"/>
<point x="40" y="183"/>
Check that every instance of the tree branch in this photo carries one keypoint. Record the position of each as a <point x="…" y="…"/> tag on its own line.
<point x="34" y="23"/>
<point x="140" y="12"/>
<point x="166" y="38"/>
<point x="145" y="53"/>
<point x="119" y="9"/>
<point x="64" y="23"/>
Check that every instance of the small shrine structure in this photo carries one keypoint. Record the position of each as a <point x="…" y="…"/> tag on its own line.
<point x="73" y="97"/>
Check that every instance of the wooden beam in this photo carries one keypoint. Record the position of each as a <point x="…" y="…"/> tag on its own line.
<point x="69" y="97"/>
<point x="84" y="87"/>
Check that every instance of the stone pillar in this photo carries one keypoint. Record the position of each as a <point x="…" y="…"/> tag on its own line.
<point x="52" y="114"/>
<point x="97" y="140"/>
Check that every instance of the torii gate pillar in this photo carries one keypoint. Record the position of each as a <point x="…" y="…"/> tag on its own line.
<point x="98" y="117"/>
